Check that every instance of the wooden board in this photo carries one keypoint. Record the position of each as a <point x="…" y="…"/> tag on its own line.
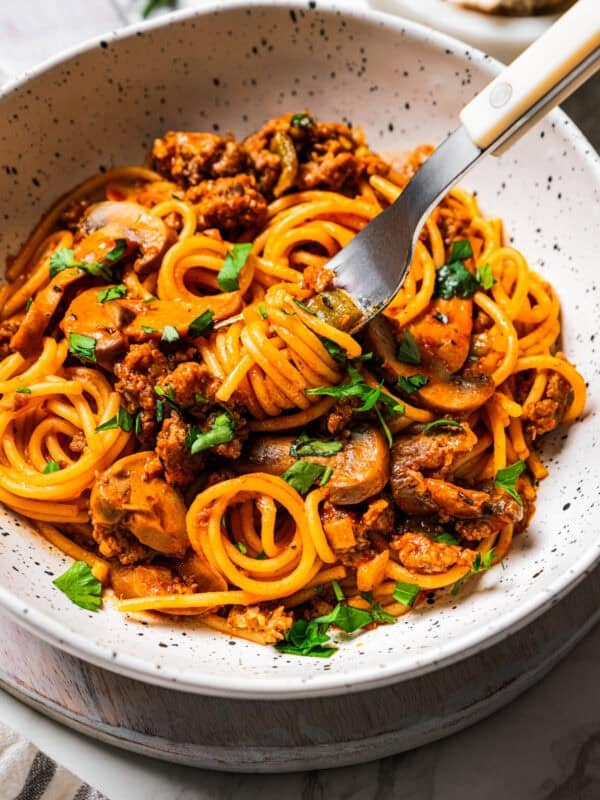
<point x="281" y="736"/>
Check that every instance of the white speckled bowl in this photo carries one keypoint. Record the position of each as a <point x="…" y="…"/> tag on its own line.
<point x="230" y="67"/>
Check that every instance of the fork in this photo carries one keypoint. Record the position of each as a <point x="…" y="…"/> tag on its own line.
<point x="372" y="267"/>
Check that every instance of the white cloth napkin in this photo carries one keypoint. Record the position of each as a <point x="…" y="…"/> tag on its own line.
<point x="28" y="774"/>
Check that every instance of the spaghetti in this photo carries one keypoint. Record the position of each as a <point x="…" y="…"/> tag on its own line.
<point x="183" y="409"/>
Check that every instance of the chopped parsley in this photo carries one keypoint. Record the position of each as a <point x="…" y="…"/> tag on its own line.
<point x="507" y="479"/>
<point x="117" y="252"/>
<point x="168" y="396"/>
<point x="304" y="307"/>
<point x="442" y="423"/>
<point x="64" y="258"/>
<point x="170" y="334"/>
<point x="326" y="476"/>
<point x="153" y="5"/>
<point x="241" y="547"/>
<point x="335" y="351"/>
<point x="81" y="586"/>
<point x="306" y="446"/>
<point x="455" y="279"/>
<point x="412" y="383"/>
<point x="160" y="411"/>
<point x="372" y="397"/>
<point x="29" y="303"/>
<point x="480" y="564"/>
<point x="220" y="432"/>
<point x="302" y="475"/>
<point x="311" y="639"/>
<point x="446" y="538"/>
<point x="112" y="293"/>
<point x="51" y="466"/>
<point x="23" y="390"/>
<point x="123" y="420"/>
<point x="406" y="593"/>
<point x="201" y="325"/>
<point x="137" y="426"/>
<point x="148" y="329"/>
<point x="82" y="346"/>
<point x="263" y="311"/>
<point x="232" y="266"/>
<point x="408" y="350"/>
<point x="485" y="276"/>
<point x="461" y="249"/>
<point x="338" y="592"/>
<point x="302" y="120"/>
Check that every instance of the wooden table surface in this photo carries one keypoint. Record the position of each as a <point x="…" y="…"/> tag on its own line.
<point x="544" y="746"/>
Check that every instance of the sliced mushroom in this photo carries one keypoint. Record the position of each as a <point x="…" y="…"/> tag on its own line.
<point x="452" y="393"/>
<point x="360" y="470"/>
<point x="130" y="221"/>
<point x="123" y="497"/>
<point x="104" y="322"/>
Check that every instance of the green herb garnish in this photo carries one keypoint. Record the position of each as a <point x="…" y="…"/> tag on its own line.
<point x="82" y="346"/>
<point x="302" y="475"/>
<point x="443" y="318"/>
<point x="306" y="446"/>
<point x="442" y="423"/>
<point x="406" y="593"/>
<point x="412" y="383"/>
<point x="241" y="547"/>
<point x="337" y="590"/>
<point x="455" y="279"/>
<point x="408" y="349"/>
<point x="304" y="307"/>
<point x="123" y="420"/>
<point x="153" y="5"/>
<point x="485" y="276"/>
<point x="232" y="266"/>
<point x="201" y="325"/>
<point x="170" y="334"/>
<point x="262" y="311"/>
<point x="507" y="479"/>
<point x="326" y="477"/>
<point x="446" y="538"/>
<point x="23" y="390"/>
<point x="335" y="351"/>
<point x="480" y="564"/>
<point x="112" y="293"/>
<point x="51" y="466"/>
<point x="80" y="586"/>
<point x="461" y="249"/>
<point x="221" y="431"/>
<point x="302" y="120"/>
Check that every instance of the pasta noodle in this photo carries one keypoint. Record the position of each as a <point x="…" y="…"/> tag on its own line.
<point x="183" y="410"/>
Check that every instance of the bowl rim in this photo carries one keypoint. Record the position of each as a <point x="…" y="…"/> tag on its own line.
<point x="499" y="628"/>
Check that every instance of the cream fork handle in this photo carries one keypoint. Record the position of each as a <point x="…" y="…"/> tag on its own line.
<point x="564" y="46"/>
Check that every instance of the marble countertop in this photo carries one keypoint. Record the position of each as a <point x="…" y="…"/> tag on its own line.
<point x="543" y="746"/>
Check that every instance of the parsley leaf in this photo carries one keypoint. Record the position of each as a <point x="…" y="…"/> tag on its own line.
<point x="160" y="411"/>
<point x="138" y="425"/>
<point x="82" y="346"/>
<point x="442" y="423"/>
<point x="412" y="383"/>
<point x="263" y="311"/>
<point x="201" y="325"/>
<point x="152" y="5"/>
<point x="335" y="351"/>
<point x="241" y="547"/>
<point x="455" y="279"/>
<point x="148" y="329"/>
<point x="326" y="477"/>
<point x="304" y="307"/>
<point x="507" y="479"/>
<point x="446" y="538"/>
<point x="123" y="420"/>
<point x="112" y="293"/>
<point x="461" y="249"/>
<point x="338" y="592"/>
<point x="220" y="432"/>
<point x="64" y="258"/>
<point x="408" y="349"/>
<point x="29" y="303"/>
<point x="302" y="120"/>
<point x="485" y="276"/>
<point x="232" y="266"/>
<point x="480" y="563"/>
<point x="51" y="466"/>
<point x="168" y="396"/>
<point x="305" y="446"/>
<point x="117" y="252"/>
<point x="306" y="639"/>
<point x="80" y="586"/>
<point x="23" y="390"/>
<point x="170" y="334"/>
<point x="406" y="593"/>
<point x="302" y="475"/>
